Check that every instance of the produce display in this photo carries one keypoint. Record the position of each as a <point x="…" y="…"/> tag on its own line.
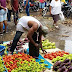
<point x="53" y="55"/>
<point x="48" y="45"/>
<point x="65" y="56"/>
<point x="65" y="66"/>
<point x="19" y="44"/>
<point x="22" y="63"/>
<point x="2" y="67"/>
<point x="29" y="67"/>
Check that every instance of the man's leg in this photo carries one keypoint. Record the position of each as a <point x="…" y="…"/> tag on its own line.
<point x="1" y="27"/>
<point x="9" y="15"/>
<point x="5" y="19"/>
<point x="1" y="21"/>
<point x="15" y="40"/>
<point x="40" y="6"/>
<point x="27" y="10"/>
<point x="15" y="21"/>
<point x="5" y="23"/>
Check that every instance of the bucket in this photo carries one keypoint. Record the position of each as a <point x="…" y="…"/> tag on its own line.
<point x="33" y="51"/>
<point x="4" y="26"/>
<point x="2" y="48"/>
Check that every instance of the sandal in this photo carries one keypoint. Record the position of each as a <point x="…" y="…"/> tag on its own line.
<point x="5" y="32"/>
<point x="1" y="33"/>
<point x="57" y="27"/>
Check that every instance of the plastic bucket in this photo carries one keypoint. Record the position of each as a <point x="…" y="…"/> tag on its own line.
<point x="4" y="26"/>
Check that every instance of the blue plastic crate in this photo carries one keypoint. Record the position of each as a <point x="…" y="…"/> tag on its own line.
<point x="2" y="48"/>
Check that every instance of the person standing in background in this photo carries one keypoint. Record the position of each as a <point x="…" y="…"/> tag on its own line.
<point x="15" y="8"/>
<point x="3" y="16"/>
<point x="26" y="6"/>
<point x="41" y="5"/>
<point x="8" y="5"/>
<point x="55" y="10"/>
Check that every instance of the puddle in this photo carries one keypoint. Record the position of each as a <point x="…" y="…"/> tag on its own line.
<point x="68" y="46"/>
<point x="65" y="45"/>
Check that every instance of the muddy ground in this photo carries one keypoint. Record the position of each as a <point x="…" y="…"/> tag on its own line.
<point x="62" y="37"/>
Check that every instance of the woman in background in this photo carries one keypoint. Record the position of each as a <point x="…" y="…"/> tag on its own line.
<point x="55" y="10"/>
<point x="3" y="16"/>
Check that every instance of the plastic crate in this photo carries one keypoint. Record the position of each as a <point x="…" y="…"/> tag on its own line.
<point x="2" y="48"/>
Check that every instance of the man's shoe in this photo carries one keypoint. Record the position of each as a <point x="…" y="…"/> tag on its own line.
<point x="1" y="33"/>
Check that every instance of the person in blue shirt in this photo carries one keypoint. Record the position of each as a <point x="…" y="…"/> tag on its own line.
<point x="26" y="6"/>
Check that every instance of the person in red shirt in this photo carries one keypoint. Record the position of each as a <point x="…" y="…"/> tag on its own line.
<point x="41" y="5"/>
<point x="15" y="7"/>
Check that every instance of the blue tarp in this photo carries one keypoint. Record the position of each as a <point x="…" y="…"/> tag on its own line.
<point x="40" y="57"/>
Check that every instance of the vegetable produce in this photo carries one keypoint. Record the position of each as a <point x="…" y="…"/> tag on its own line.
<point x="65" y="58"/>
<point x="2" y="67"/>
<point x="19" y="44"/>
<point x="62" y="69"/>
<point x="41" y="60"/>
<point x="56" y="65"/>
<point x="65" y="70"/>
<point x="70" y="68"/>
<point x="62" y="64"/>
<point x="65" y="66"/>
<point x="48" y="45"/>
<point x="56" y="54"/>
<point x="68" y="63"/>
<point x="22" y="62"/>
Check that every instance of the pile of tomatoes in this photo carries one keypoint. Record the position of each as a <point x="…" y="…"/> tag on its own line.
<point x="11" y="61"/>
<point x="55" y="54"/>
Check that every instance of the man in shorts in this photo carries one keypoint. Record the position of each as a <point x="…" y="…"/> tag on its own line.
<point x="31" y="26"/>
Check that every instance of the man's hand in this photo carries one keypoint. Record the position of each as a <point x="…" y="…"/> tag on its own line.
<point x="14" y="9"/>
<point x="25" y="7"/>
<point x="5" y="9"/>
<point x="36" y="45"/>
<point x="44" y="51"/>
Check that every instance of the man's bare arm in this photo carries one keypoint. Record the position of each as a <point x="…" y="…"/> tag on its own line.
<point x="30" y="33"/>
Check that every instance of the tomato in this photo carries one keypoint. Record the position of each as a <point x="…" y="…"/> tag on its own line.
<point x="9" y="70"/>
<point x="66" y="53"/>
<point x="51" y="57"/>
<point x="45" y="56"/>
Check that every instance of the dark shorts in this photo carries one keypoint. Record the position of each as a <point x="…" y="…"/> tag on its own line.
<point x="55" y="17"/>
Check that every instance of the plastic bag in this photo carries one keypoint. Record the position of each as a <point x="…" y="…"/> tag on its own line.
<point x="62" y="18"/>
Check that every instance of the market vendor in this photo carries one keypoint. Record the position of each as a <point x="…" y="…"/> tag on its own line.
<point x="30" y="25"/>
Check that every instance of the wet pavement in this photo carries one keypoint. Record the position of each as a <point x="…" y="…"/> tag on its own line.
<point x="62" y="37"/>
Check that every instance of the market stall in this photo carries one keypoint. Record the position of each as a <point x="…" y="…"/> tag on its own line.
<point x="54" y="60"/>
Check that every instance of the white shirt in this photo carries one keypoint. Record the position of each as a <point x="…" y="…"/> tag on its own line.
<point x="56" y="7"/>
<point x="23" y="22"/>
<point x="24" y="0"/>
